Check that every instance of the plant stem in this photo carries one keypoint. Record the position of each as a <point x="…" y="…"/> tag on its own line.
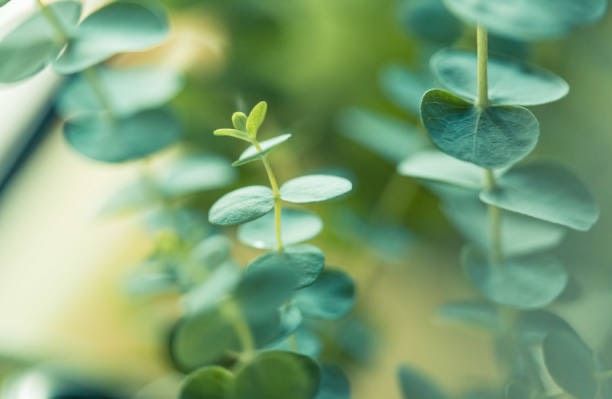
<point x="93" y="78"/>
<point x="278" y="204"/>
<point x="62" y="35"/>
<point x="241" y="327"/>
<point x="482" y="45"/>
<point x="495" y="223"/>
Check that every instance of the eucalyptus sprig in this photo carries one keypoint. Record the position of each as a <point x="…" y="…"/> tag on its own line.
<point x="251" y="338"/>
<point x="513" y="216"/>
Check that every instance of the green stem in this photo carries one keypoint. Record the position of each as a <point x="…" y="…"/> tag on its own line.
<point x="241" y="327"/>
<point x="93" y="78"/>
<point x="62" y="35"/>
<point x="482" y="45"/>
<point x="278" y="204"/>
<point x="495" y="223"/>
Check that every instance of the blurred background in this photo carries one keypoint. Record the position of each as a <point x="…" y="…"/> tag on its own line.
<point x="322" y="66"/>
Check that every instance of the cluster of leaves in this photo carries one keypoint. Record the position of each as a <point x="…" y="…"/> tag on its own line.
<point x="250" y="335"/>
<point x="512" y="216"/>
<point x="112" y="114"/>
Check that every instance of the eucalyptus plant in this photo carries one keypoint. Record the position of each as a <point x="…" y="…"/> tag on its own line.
<point x="248" y="336"/>
<point x="512" y="215"/>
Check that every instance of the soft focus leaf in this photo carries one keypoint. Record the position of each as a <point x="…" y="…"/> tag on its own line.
<point x="478" y="313"/>
<point x="439" y="167"/>
<point x="405" y="88"/>
<point x="122" y="139"/>
<point x="297" y="226"/>
<point x="314" y="188"/>
<point x="535" y="325"/>
<point x="334" y="384"/>
<point x="242" y="205"/>
<point x="525" y="282"/>
<point x="414" y="384"/>
<point x="33" y="44"/>
<point x="252" y="154"/>
<point x="548" y="192"/>
<point x="194" y="173"/>
<point x="118" y="27"/>
<point x="510" y="82"/>
<point x="571" y="364"/>
<point x="493" y="137"/>
<point x="307" y="261"/>
<point x="430" y="20"/>
<point x="278" y="375"/>
<point x="331" y="296"/>
<point x="208" y="383"/>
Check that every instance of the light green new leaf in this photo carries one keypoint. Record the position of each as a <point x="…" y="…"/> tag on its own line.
<point x="520" y="234"/>
<point x="127" y="91"/>
<point x="510" y="82"/>
<point x="571" y="364"/>
<point x="334" y="384"/>
<point x="314" y="188"/>
<point x="414" y="384"/>
<point x="115" y="28"/>
<point x="439" y="167"/>
<point x="241" y="206"/>
<point x="390" y="138"/>
<point x="256" y="118"/>
<point x="296" y="226"/>
<point x="237" y="134"/>
<point x="493" y="137"/>
<point x="253" y="154"/>
<point x="307" y="261"/>
<point x="239" y="121"/>
<point x="331" y="296"/>
<point x="405" y="88"/>
<point x="545" y="191"/>
<point x="122" y="139"/>
<point x="278" y="375"/>
<point x="525" y="282"/>
<point x="208" y="383"/>
<point x="529" y="19"/>
<point x="34" y="43"/>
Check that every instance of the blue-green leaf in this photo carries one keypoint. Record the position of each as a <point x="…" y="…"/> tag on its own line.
<point x="122" y="139"/>
<point x="314" y="188"/>
<point x="529" y="19"/>
<point x="277" y="375"/>
<point x="253" y="154"/>
<point x="545" y="191"/>
<point x="478" y="313"/>
<point x="405" y="88"/>
<point x="127" y="91"/>
<point x="439" y="167"/>
<point x="525" y="282"/>
<point x="430" y="20"/>
<point x="334" y="384"/>
<point x="331" y="296"/>
<point x="242" y="205"/>
<point x="115" y="28"/>
<point x="510" y="82"/>
<point x="491" y="137"/>
<point x="34" y="43"/>
<point x="305" y="260"/>
<point x="296" y="226"/>
<point x="208" y="383"/>
<point x="194" y="173"/>
<point x="414" y="384"/>
<point x="534" y="326"/>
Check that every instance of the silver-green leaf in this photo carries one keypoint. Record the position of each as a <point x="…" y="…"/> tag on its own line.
<point x="314" y="188"/>
<point x="253" y="154"/>
<point x="242" y="205"/>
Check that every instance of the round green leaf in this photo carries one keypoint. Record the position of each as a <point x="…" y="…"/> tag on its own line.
<point x="314" y="188"/>
<point x="278" y="375"/>
<point x="439" y="167"/>
<point x="405" y="88"/>
<point x="33" y="44"/>
<point x="510" y="82"/>
<point x="208" y="383"/>
<point x="430" y="20"/>
<point x="252" y="154"/>
<point x="571" y="364"/>
<point x="306" y="260"/>
<point x="529" y="19"/>
<point x="545" y="191"/>
<point x="390" y="138"/>
<point x="492" y="137"/>
<point x="334" y="384"/>
<point x="115" y="28"/>
<point x="242" y="205"/>
<point x="296" y="226"/>
<point x="414" y="384"/>
<point x="525" y="282"/>
<point x="331" y="296"/>
<point x="127" y="90"/>
<point x="122" y="139"/>
<point x="520" y="234"/>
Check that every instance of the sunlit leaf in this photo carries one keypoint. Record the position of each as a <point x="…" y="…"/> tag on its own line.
<point x="305" y="260"/>
<point x="314" y="188"/>
<point x="242" y="205"/>
<point x="239" y="120"/>
<point x="256" y="118"/>
<point x="492" y="137"/>
<point x="331" y="296"/>
<point x="208" y="383"/>
<point x="296" y="226"/>
<point x="122" y="139"/>
<point x="253" y="154"/>
<point x="525" y="282"/>
<point x="118" y="27"/>
<point x="548" y="192"/>
<point x="510" y="82"/>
